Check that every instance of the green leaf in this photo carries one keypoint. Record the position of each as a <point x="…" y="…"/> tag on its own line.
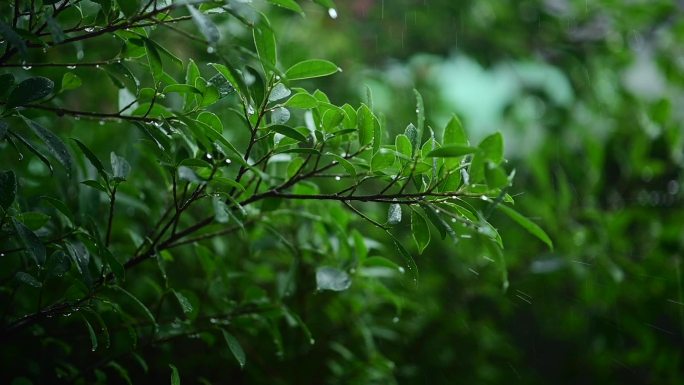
<point x="348" y="166"/>
<point x="233" y="77"/>
<point x="13" y="38"/>
<point x="492" y="148"/>
<point x="330" y="278"/>
<point x="420" y="230"/>
<point x="27" y="279"/>
<point x="311" y="69"/>
<point x="154" y="60"/>
<point x="454" y="133"/>
<point x="411" y="133"/>
<point x="382" y="161"/>
<point x="205" y="25"/>
<point x="114" y="265"/>
<point x="120" y="167"/>
<point x="403" y="145"/>
<point x="265" y="43"/>
<point x="302" y="100"/>
<point x="408" y="260"/>
<point x="527" y="224"/>
<point x="129" y="7"/>
<point x="8" y="188"/>
<point x="30" y="241"/>
<point x="183" y="301"/>
<point x="366" y="125"/>
<point x="420" y="112"/>
<point x="70" y="81"/>
<point x="30" y="90"/>
<point x="211" y="120"/>
<point x="91" y="158"/>
<point x="220" y="210"/>
<point x="181" y="89"/>
<point x="289" y="132"/>
<point x="96" y="185"/>
<point x="288" y="4"/>
<point x="91" y="333"/>
<point x="54" y="144"/>
<point x="175" y="377"/>
<point x="451" y="151"/>
<point x="137" y="302"/>
<point x="226" y="182"/>
<point x="235" y="348"/>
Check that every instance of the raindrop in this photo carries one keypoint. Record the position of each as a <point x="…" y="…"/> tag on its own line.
<point x="277" y="77"/>
<point x="334" y="162"/>
<point x="332" y="12"/>
<point x="228" y="161"/>
<point x="44" y="49"/>
<point x="211" y="49"/>
<point x="71" y="67"/>
<point x="484" y="198"/>
<point x="401" y="270"/>
<point x="209" y="156"/>
<point x="453" y="220"/>
<point x="97" y="66"/>
<point x="2" y="254"/>
<point x="26" y="67"/>
<point x="89" y="29"/>
<point x="312" y="341"/>
<point x="436" y="211"/>
<point x="250" y="110"/>
<point x="337" y="178"/>
<point x="395" y="320"/>
<point x="101" y="122"/>
<point x="77" y="117"/>
<point x="417" y="110"/>
<point x="454" y="197"/>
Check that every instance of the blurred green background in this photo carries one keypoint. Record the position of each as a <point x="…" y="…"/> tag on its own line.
<point x="586" y="95"/>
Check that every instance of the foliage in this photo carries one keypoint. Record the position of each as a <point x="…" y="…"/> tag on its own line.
<point x="158" y="199"/>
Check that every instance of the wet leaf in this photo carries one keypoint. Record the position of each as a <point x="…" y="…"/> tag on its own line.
<point x="527" y="224"/>
<point x="30" y="90"/>
<point x="311" y="69"/>
<point x="30" y="241"/>
<point x="235" y="348"/>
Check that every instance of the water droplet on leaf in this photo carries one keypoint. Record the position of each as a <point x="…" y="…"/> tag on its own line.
<point x="332" y="12"/>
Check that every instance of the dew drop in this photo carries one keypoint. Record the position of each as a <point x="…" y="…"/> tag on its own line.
<point x="211" y="49"/>
<point x="454" y="197"/>
<point x="209" y="156"/>
<point x="484" y="198"/>
<point x="436" y="211"/>
<point x="332" y="12"/>
<point x="44" y="49"/>
<point x="228" y="161"/>
<point x="401" y="270"/>
<point x="97" y="66"/>
<point x="71" y="67"/>
<point x="101" y="122"/>
<point x="338" y="178"/>
<point x="453" y="220"/>
<point x="89" y="29"/>
<point x="250" y="110"/>
<point x="395" y="320"/>
<point x="26" y="67"/>
<point x="312" y="341"/>
<point x="77" y="117"/>
<point x="277" y="77"/>
<point x="2" y="254"/>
